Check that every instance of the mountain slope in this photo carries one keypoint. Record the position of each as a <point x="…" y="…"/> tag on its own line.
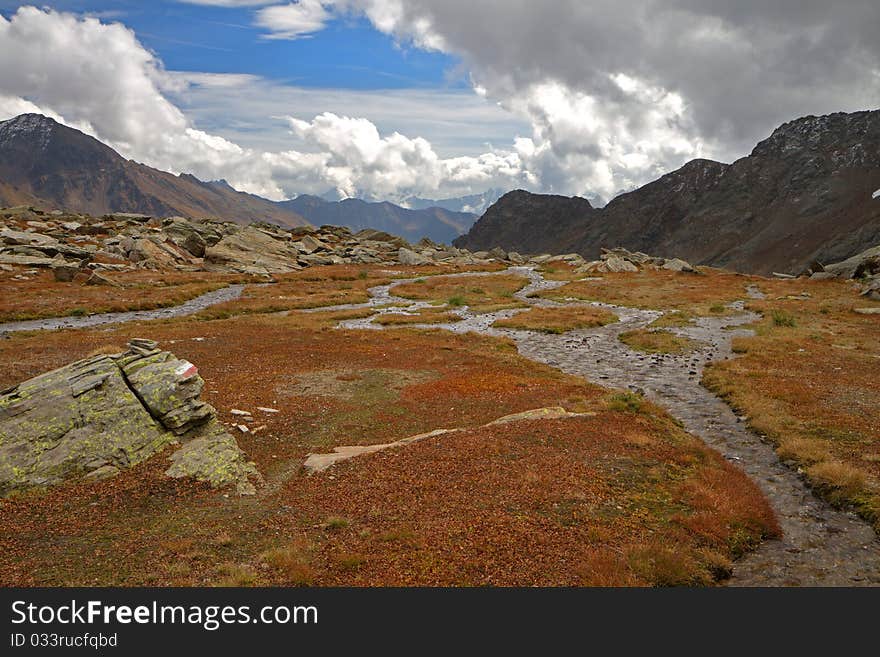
<point x="437" y="224"/>
<point x="803" y="194"/>
<point x="45" y="163"/>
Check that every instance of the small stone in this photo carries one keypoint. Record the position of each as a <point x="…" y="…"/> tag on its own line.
<point x="98" y="279"/>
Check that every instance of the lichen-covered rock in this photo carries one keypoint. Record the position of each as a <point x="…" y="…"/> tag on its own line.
<point x="71" y="421"/>
<point x="214" y="456"/>
<point x="98" y="416"/>
<point x="168" y="387"/>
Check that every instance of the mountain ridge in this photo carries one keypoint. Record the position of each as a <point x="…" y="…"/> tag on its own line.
<point x="45" y="163"/>
<point x="803" y="194"/>
<point x="435" y="223"/>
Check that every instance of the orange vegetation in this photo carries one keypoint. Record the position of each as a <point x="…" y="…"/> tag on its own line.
<point x="624" y="497"/>
<point x="42" y="296"/>
<point x="558" y="320"/>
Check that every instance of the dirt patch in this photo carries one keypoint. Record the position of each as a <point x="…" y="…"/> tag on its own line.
<point x="354" y="385"/>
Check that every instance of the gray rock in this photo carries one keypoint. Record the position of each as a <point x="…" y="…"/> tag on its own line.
<point x="26" y="261"/>
<point x="100" y="415"/>
<point x="18" y="237"/>
<point x="65" y="272"/>
<point x="99" y="279"/>
<point x="676" y="264"/>
<point x="498" y="253"/>
<point x="863" y="264"/>
<point x="617" y="264"/>
<point x="186" y="236"/>
<point x="251" y="250"/>
<point x="408" y="257"/>
<point x="216" y="458"/>
<point x="309" y="245"/>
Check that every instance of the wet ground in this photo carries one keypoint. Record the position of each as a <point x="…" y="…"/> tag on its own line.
<point x="821" y="546"/>
<point x="229" y="293"/>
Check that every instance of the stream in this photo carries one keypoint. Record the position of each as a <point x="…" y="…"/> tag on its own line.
<point x="194" y="305"/>
<point x="821" y="545"/>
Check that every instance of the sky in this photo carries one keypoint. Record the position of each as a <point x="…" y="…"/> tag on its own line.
<point x="388" y="99"/>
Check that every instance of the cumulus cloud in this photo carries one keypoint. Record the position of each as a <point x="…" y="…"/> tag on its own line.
<point x="294" y="20"/>
<point x="725" y="73"/>
<point x="99" y="78"/>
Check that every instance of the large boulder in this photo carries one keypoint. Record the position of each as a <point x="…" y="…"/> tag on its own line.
<point x="187" y="236"/>
<point x="253" y="250"/>
<point x="408" y="257"/>
<point x="372" y="235"/>
<point x="677" y="264"/>
<point x="64" y="271"/>
<point x="102" y="414"/>
<point x="862" y="265"/>
<point x="616" y="264"/>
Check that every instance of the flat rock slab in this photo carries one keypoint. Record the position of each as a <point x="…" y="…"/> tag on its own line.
<point x="320" y="462"/>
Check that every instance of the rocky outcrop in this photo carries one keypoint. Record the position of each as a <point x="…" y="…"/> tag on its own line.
<point x="864" y="267"/>
<point x="805" y="193"/>
<point x="69" y="244"/>
<point x="98" y="416"/>
<point x="620" y="260"/>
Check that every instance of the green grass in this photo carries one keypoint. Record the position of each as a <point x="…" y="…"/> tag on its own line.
<point x="783" y="318"/>
<point x="626" y="402"/>
<point x="456" y="300"/>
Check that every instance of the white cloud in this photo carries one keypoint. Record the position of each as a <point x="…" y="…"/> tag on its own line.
<point x="251" y="112"/>
<point x="294" y="20"/>
<point x="581" y="144"/>
<point x="99" y="78"/>
<point x="618" y="91"/>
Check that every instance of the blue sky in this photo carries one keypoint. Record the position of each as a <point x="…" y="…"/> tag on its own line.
<point x="348" y="53"/>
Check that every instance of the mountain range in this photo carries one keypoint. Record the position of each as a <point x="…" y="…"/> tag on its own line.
<point x="806" y="193"/>
<point x="435" y="223"/>
<point x="47" y="164"/>
<point x="473" y="203"/>
<point x="809" y="192"/>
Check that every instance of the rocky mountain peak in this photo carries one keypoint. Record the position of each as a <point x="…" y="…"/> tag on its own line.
<point x="852" y="139"/>
<point x="35" y="128"/>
